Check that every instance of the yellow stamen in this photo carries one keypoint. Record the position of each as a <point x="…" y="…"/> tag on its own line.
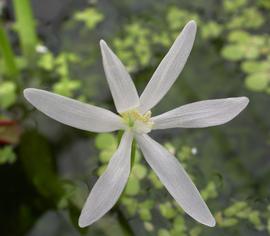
<point x="131" y="116"/>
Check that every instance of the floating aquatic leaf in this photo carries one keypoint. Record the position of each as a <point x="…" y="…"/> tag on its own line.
<point x="257" y="82"/>
<point x="106" y="141"/>
<point x="133" y="186"/>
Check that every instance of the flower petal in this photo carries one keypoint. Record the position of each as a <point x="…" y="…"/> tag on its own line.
<point x="110" y="185"/>
<point x="73" y="113"/>
<point x="175" y="179"/>
<point x="123" y="90"/>
<point x="169" y="68"/>
<point x="201" y="114"/>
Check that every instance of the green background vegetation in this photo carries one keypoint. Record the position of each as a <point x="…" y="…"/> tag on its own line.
<point x="47" y="169"/>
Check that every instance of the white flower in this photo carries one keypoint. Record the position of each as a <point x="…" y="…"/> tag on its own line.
<point x="135" y="119"/>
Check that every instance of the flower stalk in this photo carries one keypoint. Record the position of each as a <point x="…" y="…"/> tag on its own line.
<point x="133" y="148"/>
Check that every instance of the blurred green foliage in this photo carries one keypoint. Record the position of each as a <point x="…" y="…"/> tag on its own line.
<point x="7" y="155"/>
<point x="90" y="16"/>
<point x="231" y="57"/>
<point x="8" y="94"/>
<point x="236" y="25"/>
<point x="27" y="35"/>
<point x="59" y="66"/>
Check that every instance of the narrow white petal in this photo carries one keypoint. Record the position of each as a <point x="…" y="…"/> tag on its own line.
<point x="201" y="114"/>
<point x="110" y="185"/>
<point x="123" y="90"/>
<point x="175" y="179"/>
<point x="169" y="68"/>
<point x="73" y="113"/>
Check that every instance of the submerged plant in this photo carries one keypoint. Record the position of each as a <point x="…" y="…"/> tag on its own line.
<point x="136" y="121"/>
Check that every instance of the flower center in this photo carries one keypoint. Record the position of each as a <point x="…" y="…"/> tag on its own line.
<point x="139" y="123"/>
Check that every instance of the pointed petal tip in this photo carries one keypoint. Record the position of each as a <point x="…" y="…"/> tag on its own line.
<point x="103" y="45"/>
<point x="106" y="52"/>
<point x="82" y="222"/>
<point x="28" y="92"/>
<point x="211" y="222"/>
<point x="208" y="220"/>
<point x="244" y="101"/>
<point x="85" y="220"/>
<point x="191" y="25"/>
<point x="102" y="42"/>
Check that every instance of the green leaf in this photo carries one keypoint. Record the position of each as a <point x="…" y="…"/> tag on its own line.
<point x="66" y="87"/>
<point x="105" y="155"/>
<point x="7" y="155"/>
<point x="235" y="208"/>
<point x="131" y="204"/>
<point x="177" y="18"/>
<point x="68" y="191"/>
<point x="170" y="147"/>
<point x="133" y="186"/>
<point x="91" y="17"/>
<point x="229" y="222"/>
<point x="101" y="170"/>
<point x="257" y="82"/>
<point x="243" y="214"/>
<point x="185" y="153"/>
<point x="210" y="191"/>
<point x="252" y="52"/>
<point x="147" y="204"/>
<point x="250" y="18"/>
<point x="196" y="231"/>
<point x="37" y="162"/>
<point x="148" y="226"/>
<point x="264" y="3"/>
<point x="179" y="224"/>
<point x="233" y="5"/>
<point x="139" y="171"/>
<point x="211" y="30"/>
<point x="256" y="66"/>
<point x="163" y="38"/>
<point x="25" y="26"/>
<point x="145" y="214"/>
<point x="8" y="94"/>
<point x="106" y="141"/>
<point x="233" y="52"/>
<point x="7" y="53"/>
<point x="253" y="66"/>
<point x="154" y="179"/>
<point x="238" y="36"/>
<point x="167" y="210"/>
<point x="254" y="218"/>
<point x="163" y="232"/>
<point x="46" y="61"/>
<point x="62" y="69"/>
